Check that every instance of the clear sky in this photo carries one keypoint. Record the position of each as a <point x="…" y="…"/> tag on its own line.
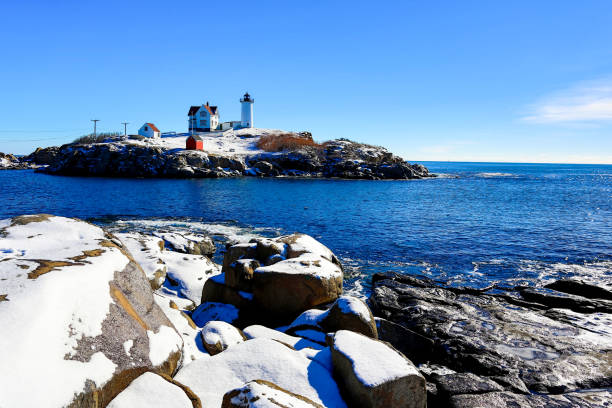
<point x="462" y="80"/>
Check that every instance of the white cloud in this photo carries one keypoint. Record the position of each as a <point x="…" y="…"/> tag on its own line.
<point x="586" y="102"/>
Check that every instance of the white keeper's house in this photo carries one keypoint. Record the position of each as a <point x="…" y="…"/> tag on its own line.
<point x="149" y="130"/>
<point x="205" y="118"/>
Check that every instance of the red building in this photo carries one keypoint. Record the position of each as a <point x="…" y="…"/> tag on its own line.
<point x="194" y="142"/>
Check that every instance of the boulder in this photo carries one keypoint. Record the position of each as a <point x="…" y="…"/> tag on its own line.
<point x="373" y="374"/>
<point x="153" y="390"/>
<point x="415" y="346"/>
<point x="346" y="313"/>
<point x="298" y="273"/>
<point x="71" y="283"/>
<point x="260" y="359"/>
<point x="350" y="313"/>
<point x="147" y="252"/>
<point x="581" y="288"/>
<point x="218" y="336"/>
<point x="260" y="393"/>
<point x="309" y="276"/>
<point x="588" y="399"/>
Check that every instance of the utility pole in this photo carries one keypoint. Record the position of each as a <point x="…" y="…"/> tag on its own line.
<point x="125" y="128"/>
<point x="95" y="121"/>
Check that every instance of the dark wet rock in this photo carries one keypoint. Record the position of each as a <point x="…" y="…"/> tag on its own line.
<point x="581" y="288"/>
<point x="542" y="349"/>
<point x="465" y="383"/>
<point x="43" y="156"/>
<point x="552" y="298"/>
<point x="116" y="158"/>
<point x="507" y="399"/>
<point x="411" y="344"/>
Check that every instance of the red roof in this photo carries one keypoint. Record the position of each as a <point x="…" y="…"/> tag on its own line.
<point x="152" y="126"/>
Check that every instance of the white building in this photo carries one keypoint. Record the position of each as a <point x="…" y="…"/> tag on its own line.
<point x="149" y="130"/>
<point x="246" y="116"/>
<point x="203" y="118"/>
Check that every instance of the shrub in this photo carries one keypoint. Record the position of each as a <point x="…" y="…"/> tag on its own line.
<point x="98" y="138"/>
<point x="285" y="141"/>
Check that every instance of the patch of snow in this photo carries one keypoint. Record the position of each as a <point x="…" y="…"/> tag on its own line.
<point x="162" y="344"/>
<point x="189" y="272"/>
<point x="151" y="390"/>
<point x="307" y="244"/>
<point x="262" y="359"/>
<point x="310" y="317"/>
<point x="257" y="331"/>
<point x="354" y="306"/>
<point x="209" y="311"/>
<point x="127" y="346"/>
<point x="374" y="362"/>
<point x="147" y="251"/>
<point x="306" y="264"/>
<point x="181" y="322"/>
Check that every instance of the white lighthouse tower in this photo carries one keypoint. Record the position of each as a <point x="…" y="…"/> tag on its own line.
<point x="246" y="118"/>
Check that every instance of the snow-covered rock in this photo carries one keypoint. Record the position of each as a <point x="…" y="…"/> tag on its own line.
<point x="347" y="313"/>
<point x="297" y="273"/>
<point x="257" y="331"/>
<point x="264" y="394"/>
<point x="77" y="315"/>
<point x="186" y="274"/>
<point x="374" y="374"/>
<point x="185" y="326"/>
<point x="218" y="336"/>
<point x="260" y="359"/>
<point x="194" y="244"/>
<point x="147" y="251"/>
<point x="151" y="390"/>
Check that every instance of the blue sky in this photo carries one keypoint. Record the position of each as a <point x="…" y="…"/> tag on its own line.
<point x="462" y="80"/>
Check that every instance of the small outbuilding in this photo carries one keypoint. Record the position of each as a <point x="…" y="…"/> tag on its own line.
<point x="195" y="142"/>
<point x="149" y="130"/>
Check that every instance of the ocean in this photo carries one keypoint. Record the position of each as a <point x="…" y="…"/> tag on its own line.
<point x="474" y="225"/>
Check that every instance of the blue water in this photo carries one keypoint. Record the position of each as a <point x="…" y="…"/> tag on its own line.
<point x="477" y="223"/>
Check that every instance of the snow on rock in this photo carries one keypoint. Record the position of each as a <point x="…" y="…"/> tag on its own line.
<point x="218" y="336"/>
<point x="185" y="326"/>
<point x="186" y="274"/>
<point x="346" y="313"/>
<point x="374" y="374"/>
<point x="256" y="331"/>
<point x="188" y="243"/>
<point x="147" y="251"/>
<point x="260" y="359"/>
<point x="264" y="394"/>
<point x="214" y="311"/>
<point x="70" y="281"/>
<point x="296" y="273"/>
<point x="151" y="390"/>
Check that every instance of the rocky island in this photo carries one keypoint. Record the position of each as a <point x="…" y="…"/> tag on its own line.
<point x="233" y="153"/>
<point x="95" y="317"/>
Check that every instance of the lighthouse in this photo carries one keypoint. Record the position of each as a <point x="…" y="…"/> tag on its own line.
<point x="246" y="118"/>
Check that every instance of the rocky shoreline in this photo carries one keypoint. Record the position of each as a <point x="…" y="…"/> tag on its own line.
<point x="141" y="158"/>
<point x="94" y="318"/>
